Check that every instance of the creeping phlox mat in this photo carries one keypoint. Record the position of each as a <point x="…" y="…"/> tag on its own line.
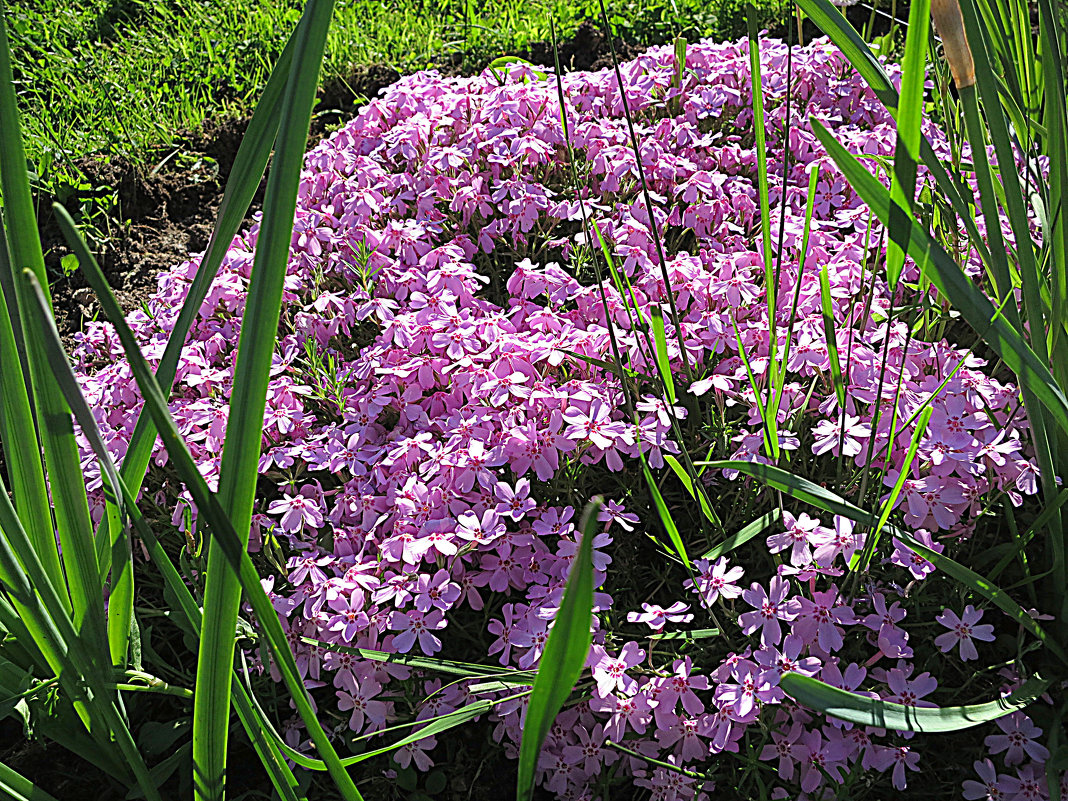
<point x="443" y="403"/>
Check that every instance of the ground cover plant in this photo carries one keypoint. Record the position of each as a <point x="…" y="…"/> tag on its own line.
<point x="506" y="293"/>
<point x="453" y="381"/>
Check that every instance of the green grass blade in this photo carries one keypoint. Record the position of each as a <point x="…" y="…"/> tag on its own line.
<point x="465" y="669"/>
<point x="796" y="487"/>
<point x="831" y="336"/>
<point x="780" y="374"/>
<point x="250" y="163"/>
<point x="769" y="424"/>
<point x="17" y="787"/>
<point x="696" y="491"/>
<point x="231" y="546"/>
<point x="813" y="494"/>
<point x="22" y="247"/>
<point x="743" y="536"/>
<point x="113" y="541"/>
<point x="861" y="560"/>
<point x="760" y="131"/>
<point x="973" y="581"/>
<point x="865" y="711"/>
<point x="831" y="21"/>
<point x="906" y="151"/>
<point x="239" y="470"/>
<point x="660" y="341"/>
<point x="565" y="654"/>
<point x="956" y="286"/>
<point x="664" y="514"/>
<point x="121" y="597"/>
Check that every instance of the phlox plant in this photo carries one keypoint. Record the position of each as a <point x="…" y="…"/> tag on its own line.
<point x="71" y="651"/>
<point x="672" y="281"/>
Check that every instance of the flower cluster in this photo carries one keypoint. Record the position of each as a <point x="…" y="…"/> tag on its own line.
<point x="439" y="373"/>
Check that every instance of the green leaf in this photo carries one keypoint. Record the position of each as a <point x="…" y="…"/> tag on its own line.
<point x="231" y="546"/>
<point x="955" y="285"/>
<point x="697" y="494"/>
<point x="660" y="342"/>
<point x="865" y="711"/>
<point x="664" y="513"/>
<point x="22" y="247"/>
<point x="565" y="654"/>
<point x="906" y="151"/>
<point x="758" y="526"/>
<point x="981" y="585"/>
<point x="829" y="333"/>
<point x="16" y="787"/>
<point x="239" y="469"/>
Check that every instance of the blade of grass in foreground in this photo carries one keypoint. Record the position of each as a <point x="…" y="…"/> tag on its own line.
<point x="241" y="185"/>
<point x="232" y="547"/>
<point x="239" y="470"/>
<point x="956" y="286"/>
<point x="866" y="711"/>
<point x="17" y="787"/>
<point x="906" y="151"/>
<point x="813" y="494"/>
<point x="20" y="231"/>
<point x="279" y="773"/>
<point x="564" y="656"/>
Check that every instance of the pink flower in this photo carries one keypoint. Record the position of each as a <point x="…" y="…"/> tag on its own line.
<point x="818" y="620"/>
<point x="798" y="536"/>
<point x="991" y="788"/>
<point x="363" y="704"/>
<point x="900" y="757"/>
<point x="771" y="607"/>
<point x="414" y="625"/>
<point x="1020" y="735"/>
<point x="655" y="616"/>
<point x="610" y="673"/>
<point x="297" y="511"/>
<point x="910" y="693"/>
<point x="714" y="580"/>
<point x="962" y="630"/>
<point x="514" y="503"/>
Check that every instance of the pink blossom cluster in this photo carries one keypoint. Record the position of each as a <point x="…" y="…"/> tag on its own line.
<point x="433" y="380"/>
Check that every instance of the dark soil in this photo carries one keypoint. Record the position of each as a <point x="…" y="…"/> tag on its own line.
<point x="168" y="212"/>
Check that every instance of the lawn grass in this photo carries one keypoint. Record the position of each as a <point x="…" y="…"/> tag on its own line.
<point x="129" y="78"/>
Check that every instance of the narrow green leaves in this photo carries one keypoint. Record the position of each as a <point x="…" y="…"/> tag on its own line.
<point x="21" y="248"/>
<point x="241" y="451"/>
<point x="664" y="513"/>
<point x="955" y="285"/>
<point x="906" y="152"/>
<point x="866" y="711"/>
<point x="564" y="656"/>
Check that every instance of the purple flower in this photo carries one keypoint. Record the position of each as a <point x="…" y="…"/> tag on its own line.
<point x="415" y="625"/>
<point x="1019" y="737"/>
<point x="771" y="607"/>
<point x="962" y="630"/>
<point x="610" y="673"/>
<point x="715" y="580"/>
<point x="655" y="616"/>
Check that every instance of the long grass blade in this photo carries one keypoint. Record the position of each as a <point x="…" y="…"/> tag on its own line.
<point x="564" y="655"/>
<point x="21" y="247"/>
<point x="231" y="546"/>
<point x="955" y="285"/>
<point x="906" y="152"/>
<point x="866" y="711"/>
<point x="239" y="470"/>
